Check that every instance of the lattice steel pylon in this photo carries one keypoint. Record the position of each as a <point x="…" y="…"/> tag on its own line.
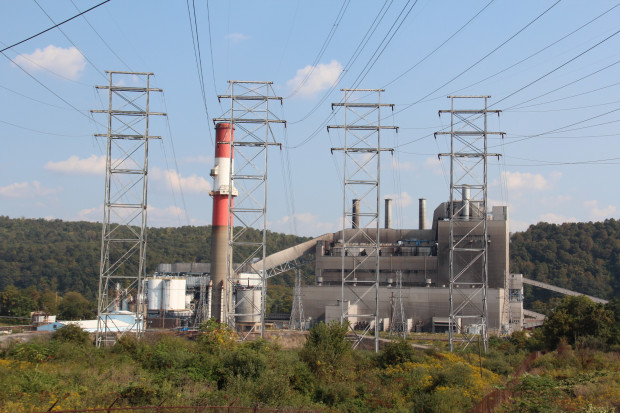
<point x="123" y="237"/>
<point x="252" y="120"/>
<point x="297" y="321"/>
<point x="361" y="205"/>
<point x="398" y="320"/>
<point x="468" y="216"/>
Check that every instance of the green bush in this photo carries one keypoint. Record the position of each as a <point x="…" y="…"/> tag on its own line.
<point x="72" y="333"/>
<point x="326" y="347"/>
<point x="397" y="352"/>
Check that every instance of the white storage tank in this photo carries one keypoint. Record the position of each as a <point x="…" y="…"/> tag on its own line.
<point x="154" y="294"/>
<point x="248" y="302"/>
<point x="173" y="294"/>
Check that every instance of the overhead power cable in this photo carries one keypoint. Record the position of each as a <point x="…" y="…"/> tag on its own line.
<point x="557" y="68"/>
<point x="538" y="52"/>
<point x="358" y="50"/>
<point x="102" y="39"/>
<point x="326" y="42"/>
<point x="101" y="72"/>
<point x="482" y="58"/>
<point x="198" y="58"/>
<point x="440" y="46"/>
<point x="53" y="27"/>
<point x="368" y="67"/>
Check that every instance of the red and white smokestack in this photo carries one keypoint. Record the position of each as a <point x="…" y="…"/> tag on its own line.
<point x="222" y="217"/>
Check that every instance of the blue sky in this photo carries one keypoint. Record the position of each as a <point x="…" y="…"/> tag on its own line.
<point x="551" y="66"/>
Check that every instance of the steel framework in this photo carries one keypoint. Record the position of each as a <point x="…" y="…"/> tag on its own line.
<point x="123" y="236"/>
<point x="252" y="119"/>
<point x="468" y="215"/>
<point x="398" y="320"/>
<point x="297" y="321"/>
<point x="361" y="204"/>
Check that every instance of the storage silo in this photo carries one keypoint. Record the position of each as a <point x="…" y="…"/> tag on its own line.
<point x="154" y="294"/>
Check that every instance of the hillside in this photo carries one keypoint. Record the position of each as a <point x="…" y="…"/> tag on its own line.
<point x="583" y="257"/>
<point x="64" y="256"/>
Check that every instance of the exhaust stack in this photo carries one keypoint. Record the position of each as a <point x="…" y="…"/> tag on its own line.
<point x="222" y="217"/>
<point x="388" y="213"/>
<point x="422" y="212"/>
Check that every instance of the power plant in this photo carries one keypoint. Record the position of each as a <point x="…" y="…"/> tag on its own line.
<point x="448" y="275"/>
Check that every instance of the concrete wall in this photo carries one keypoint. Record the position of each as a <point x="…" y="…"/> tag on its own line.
<point x="421" y="304"/>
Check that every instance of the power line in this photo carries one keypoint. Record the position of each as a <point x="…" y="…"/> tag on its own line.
<point x="102" y="39"/>
<point x="326" y="42"/>
<point x="484" y="57"/>
<point x="71" y="41"/>
<point x="53" y="27"/>
<point x="438" y="47"/>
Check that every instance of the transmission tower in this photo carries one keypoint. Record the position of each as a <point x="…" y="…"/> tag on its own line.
<point x="297" y="321"/>
<point x="252" y="120"/>
<point x="398" y="320"/>
<point x="123" y="239"/>
<point x="468" y="215"/>
<point x="361" y="202"/>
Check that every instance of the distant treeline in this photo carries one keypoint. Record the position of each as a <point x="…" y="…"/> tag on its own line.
<point x="64" y="256"/>
<point x="584" y="257"/>
<point x="59" y="256"/>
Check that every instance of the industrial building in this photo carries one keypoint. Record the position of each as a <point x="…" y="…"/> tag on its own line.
<point x="413" y="267"/>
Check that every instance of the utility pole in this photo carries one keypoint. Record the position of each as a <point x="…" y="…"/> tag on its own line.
<point x="360" y="209"/>
<point x="123" y="236"/>
<point x="468" y="216"/>
<point x="252" y="119"/>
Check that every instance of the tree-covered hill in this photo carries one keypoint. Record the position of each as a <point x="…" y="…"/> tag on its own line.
<point x="64" y="256"/>
<point x="584" y="257"/>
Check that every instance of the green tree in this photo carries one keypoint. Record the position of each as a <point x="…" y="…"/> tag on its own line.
<point x="326" y="347"/>
<point x="75" y="307"/>
<point x="577" y="317"/>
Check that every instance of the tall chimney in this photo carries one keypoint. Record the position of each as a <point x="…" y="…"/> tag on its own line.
<point x="422" y="217"/>
<point x="356" y="213"/>
<point x="388" y="213"/>
<point x="222" y="217"/>
<point x="465" y="210"/>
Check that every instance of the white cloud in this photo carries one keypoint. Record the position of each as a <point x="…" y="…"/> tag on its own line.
<point x="525" y="180"/>
<point x="65" y="62"/>
<point x="403" y="166"/>
<point x="27" y="190"/>
<point x="193" y="183"/>
<point x="93" y="165"/>
<point x="311" y="80"/>
<point x="305" y="223"/>
<point x="165" y="217"/>
<point x="90" y="214"/>
<point x="237" y="37"/>
<point x="401" y="200"/>
<point x="207" y="160"/>
<point x="553" y="218"/>
<point x="599" y="214"/>
<point x="434" y="164"/>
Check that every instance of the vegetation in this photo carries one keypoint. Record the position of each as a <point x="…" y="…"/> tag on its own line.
<point x="42" y="261"/>
<point x="583" y="257"/>
<point x="326" y="374"/>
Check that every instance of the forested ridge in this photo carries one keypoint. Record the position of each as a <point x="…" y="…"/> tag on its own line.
<point x="64" y="256"/>
<point x="583" y="257"/>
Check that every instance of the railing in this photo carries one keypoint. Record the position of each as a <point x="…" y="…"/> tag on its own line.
<point x="181" y="409"/>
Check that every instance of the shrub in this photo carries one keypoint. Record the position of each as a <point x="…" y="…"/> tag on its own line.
<point x="325" y="347"/>
<point x="397" y="352"/>
<point x="72" y="333"/>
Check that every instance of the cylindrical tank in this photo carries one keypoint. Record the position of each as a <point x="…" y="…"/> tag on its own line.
<point x="154" y="294"/>
<point x="173" y="294"/>
<point x="222" y="217"/>
<point x="248" y="303"/>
